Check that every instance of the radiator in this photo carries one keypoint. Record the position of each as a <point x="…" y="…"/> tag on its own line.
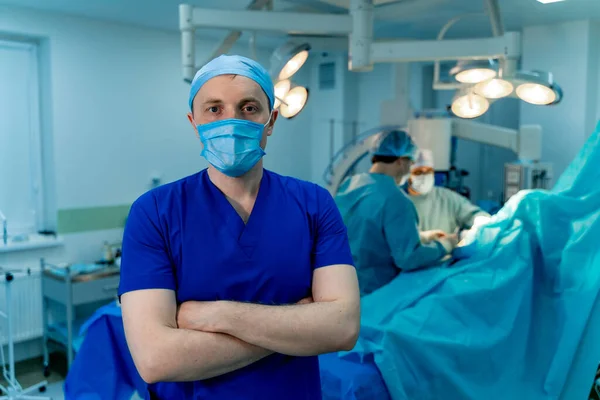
<point x="26" y="313"/>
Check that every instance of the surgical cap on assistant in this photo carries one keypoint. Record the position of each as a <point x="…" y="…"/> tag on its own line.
<point x="394" y="143"/>
<point x="233" y="65"/>
<point x="424" y="158"/>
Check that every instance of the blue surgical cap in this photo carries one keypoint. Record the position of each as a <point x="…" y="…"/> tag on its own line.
<point x="233" y="65"/>
<point x="394" y="143"/>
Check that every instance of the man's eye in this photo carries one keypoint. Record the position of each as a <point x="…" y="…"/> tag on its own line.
<point x="213" y="109"/>
<point x="250" y="109"/>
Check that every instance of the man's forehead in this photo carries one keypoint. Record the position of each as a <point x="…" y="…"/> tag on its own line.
<point x="231" y="86"/>
<point x="423" y="169"/>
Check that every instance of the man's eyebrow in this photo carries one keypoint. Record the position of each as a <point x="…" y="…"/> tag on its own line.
<point x="249" y="99"/>
<point x="212" y="101"/>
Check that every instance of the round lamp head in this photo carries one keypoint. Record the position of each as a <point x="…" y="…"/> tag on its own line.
<point x="474" y="71"/>
<point x="288" y="59"/>
<point x="494" y="88"/>
<point x="294" y="102"/>
<point x="281" y="90"/>
<point x="469" y="105"/>
<point x="537" y="94"/>
<point x="536" y="87"/>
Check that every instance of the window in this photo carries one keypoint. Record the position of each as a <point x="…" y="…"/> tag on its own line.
<point x="21" y="195"/>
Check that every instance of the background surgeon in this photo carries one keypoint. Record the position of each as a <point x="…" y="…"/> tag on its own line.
<point x="234" y="279"/>
<point x="382" y="221"/>
<point x="439" y="208"/>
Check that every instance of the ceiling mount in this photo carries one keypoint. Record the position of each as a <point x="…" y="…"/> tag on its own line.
<point x="495" y="78"/>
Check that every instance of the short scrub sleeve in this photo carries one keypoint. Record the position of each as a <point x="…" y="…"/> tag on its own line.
<point x="331" y="242"/>
<point x="145" y="261"/>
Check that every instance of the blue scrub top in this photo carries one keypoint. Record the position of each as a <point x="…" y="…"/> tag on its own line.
<point x="186" y="236"/>
<point x="382" y="224"/>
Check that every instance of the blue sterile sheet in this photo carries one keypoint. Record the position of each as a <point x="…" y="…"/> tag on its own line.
<point x="505" y="321"/>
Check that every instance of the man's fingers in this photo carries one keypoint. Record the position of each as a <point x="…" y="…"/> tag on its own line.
<point x="306" y="300"/>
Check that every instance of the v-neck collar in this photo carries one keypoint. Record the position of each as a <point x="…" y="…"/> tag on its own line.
<point x="247" y="235"/>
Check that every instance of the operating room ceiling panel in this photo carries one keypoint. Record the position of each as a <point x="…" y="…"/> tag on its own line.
<point x="394" y="18"/>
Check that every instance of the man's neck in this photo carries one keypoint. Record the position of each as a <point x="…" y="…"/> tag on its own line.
<point x="380" y="168"/>
<point x="240" y="188"/>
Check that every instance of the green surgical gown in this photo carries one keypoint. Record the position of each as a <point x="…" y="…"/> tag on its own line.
<point x="445" y="209"/>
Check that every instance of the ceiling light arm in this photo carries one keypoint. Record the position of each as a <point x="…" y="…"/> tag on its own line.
<point x="358" y="25"/>
<point x="253" y="46"/>
<point x="525" y="142"/>
<point x="437" y="85"/>
<point x="191" y="18"/>
<point x="436" y="65"/>
<point x="186" y="25"/>
<point x="493" y="10"/>
<point x="495" y="17"/>
<point x="288" y="22"/>
<point x="506" y="46"/>
<point x="188" y="46"/>
<point x="361" y="36"/>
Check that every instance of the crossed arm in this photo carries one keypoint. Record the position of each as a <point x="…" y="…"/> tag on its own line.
<point x="164" y="353"/>
<point x="208" y="339"/>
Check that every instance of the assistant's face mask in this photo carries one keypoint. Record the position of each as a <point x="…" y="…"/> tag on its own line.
<point x="232" y="146"/>
<point x="422" y="183"/>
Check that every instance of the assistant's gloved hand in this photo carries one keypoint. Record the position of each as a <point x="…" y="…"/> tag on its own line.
<point x="449" y="242"/>
<point x="468" y="236"/>
<point x="480" y="220"/>
<point x="429" y="236"/>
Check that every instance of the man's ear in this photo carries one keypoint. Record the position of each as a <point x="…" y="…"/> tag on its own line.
<point x="191" y="119"/>
<point x="274" y="116"/>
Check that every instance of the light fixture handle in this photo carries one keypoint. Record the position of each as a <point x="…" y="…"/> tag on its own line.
<point x="281" y="100"/>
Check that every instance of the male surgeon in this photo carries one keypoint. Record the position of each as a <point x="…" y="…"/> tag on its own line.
<point x="235" y="278"/>
<point x="382" y="221"/>
<point x="440" y="208"/>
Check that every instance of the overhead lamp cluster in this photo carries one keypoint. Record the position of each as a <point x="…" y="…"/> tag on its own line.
<point x="290" y="99"/>
<point x="486" y="82"/>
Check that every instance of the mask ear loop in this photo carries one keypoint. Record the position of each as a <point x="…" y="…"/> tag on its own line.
<point x="269" y="120"/>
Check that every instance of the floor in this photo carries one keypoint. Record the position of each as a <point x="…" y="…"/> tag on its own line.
<point x="54" y="391"/>
<point x="30" y="372"/>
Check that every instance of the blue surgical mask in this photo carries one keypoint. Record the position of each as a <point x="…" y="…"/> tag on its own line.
<point x="232" y="146"/>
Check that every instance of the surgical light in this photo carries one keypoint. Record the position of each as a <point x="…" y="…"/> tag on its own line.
<point x="474" y="71"/>
<point x="469" y="105"/>
<point x="288" y="59"/>
<point x="281" y="90"/>
<point x="536" y="94"/>
<point x="495" y="88"/>
<point x="536" y="87"/>
<point x="549" y="1"/>
<point x="294" y="102"/>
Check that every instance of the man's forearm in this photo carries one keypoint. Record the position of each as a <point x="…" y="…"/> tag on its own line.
<point x="186" y="355"/>
<point x="298" y="330"/>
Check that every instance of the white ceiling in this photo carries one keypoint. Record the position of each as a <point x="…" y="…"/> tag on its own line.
<point x="395" y="18"/>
